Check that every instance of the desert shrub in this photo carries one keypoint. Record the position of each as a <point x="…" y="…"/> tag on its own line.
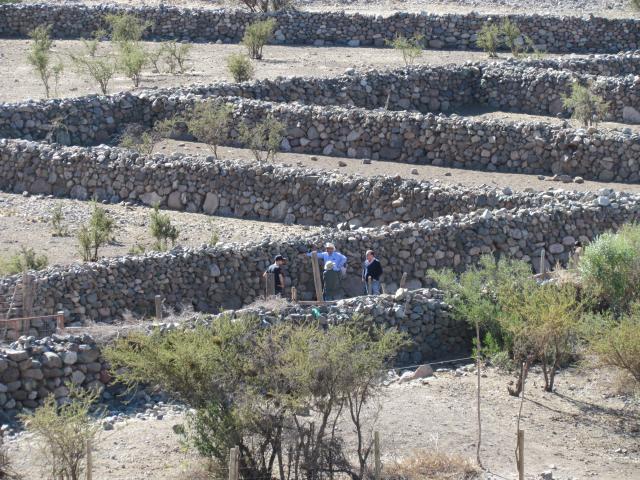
<point x="98" y="69"/>
<point x="267" y="5"/>
<point x="7" y="2"/>
<point x="41" y="59"/>
<point x="126" y="28"/>
<point x="209" y="122"/>
<point x="155" y="57"/>
<point x="263" y="138"/>
<point x="136" y="249"/>
<point x="131" y="60"/>
<point x="176" y="55"/>
<point x="25" y="259"/>
<point x="586" y="106"/>
<point x="431" y="465"/>
<point x="248" y="384"/>
<point x="635" y="4"/>
<point x="411" y="48"/>
<point x="489" y="39"/>
<point x="240" y="67"/>
<point x="162" y="230"/>
<point x="256" y="37"/>
<point x="7" y="471"/>
<point x="610" y="267"/>
<point x="214" y="236"/>
<point x="64" y="431"/>
<point x="96" y="233"/>
<point x="57" y="218"/>
<point x="616" y="341"/>
<point x="144" y="140"/>
<point x="511" y="36"/>
<point x="91" y="44"/>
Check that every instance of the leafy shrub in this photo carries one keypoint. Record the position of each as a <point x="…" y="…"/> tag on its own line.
<point x="26" y="259"/>
<point x="511" y="34"/>
<point x="587" y="107"/>
<point x="635" y="4"/>
<point x="99" y="69"/>
<point x="64" y="431"/>
<point x="247" y="384"/>
<point x="162" y="229"/>
<point x="256" y="37"/>
<point x="176" y="55"/>
<point x="617" y="341"/>
<point x="96" y="233"/>
<point x="131" y="60"/>
<point x="267" y="5"/>
<point x="40" y="57"/>
<point x="411" y="48"/>
<point x="209" y="122"/>
<point x="126" y="28"/>
<point x="610" y="267"/>
<point x="489" y="39"/>
<point x="57" y="217"/>
<point x="154" y="57"/>
<point x="7" y="2"/>
<point x="240" y="67"/>
<point x="264" y="138"/>
<point x="91" y="45"/>
<point x="431" y="465"/>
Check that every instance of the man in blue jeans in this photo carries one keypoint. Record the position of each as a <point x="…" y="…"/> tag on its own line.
<point x="372" y="270"/>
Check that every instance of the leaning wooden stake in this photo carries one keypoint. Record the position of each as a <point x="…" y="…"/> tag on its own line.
<point x="270" y="285"/>
<point x="89" y="468"/>
<point x="60" y="320"/>
<point x="543" y="264"/>
<point x="478" y="354"/>
<point x="294" y="294"/>
<point x="520" y="433"/>
<point x="158" y="301"/>
<point x="403" y="280"/>
<point x="316" y="276"/>
<point x="376" y="456"/>
<point x="369" y="283"/>
<point x="234" y="463"/>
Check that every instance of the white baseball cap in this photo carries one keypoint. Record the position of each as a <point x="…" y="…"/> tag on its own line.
<point x="330" y="245"/>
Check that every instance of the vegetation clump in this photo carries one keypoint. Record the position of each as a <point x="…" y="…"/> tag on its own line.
<point x="489" y="39"/>
<point x="96" y="233"/>
<point x="41" y="58"/>
<point x="210" y="122"/>
<point x="162" y="230"/>
<point x="586" y="106"/>
<point x="25" y="259"/>
<point x="256" y="37"/>
<point x="411" y="48"/>
<point x="264" y="138"/>
<point x="240" y="67"/>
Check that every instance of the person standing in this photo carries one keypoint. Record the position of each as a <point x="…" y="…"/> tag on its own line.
<point x="331" y="255"/>
<point x="371" y="271"/>
<point x="275" y="269"/>
<point x="331" y="282"/>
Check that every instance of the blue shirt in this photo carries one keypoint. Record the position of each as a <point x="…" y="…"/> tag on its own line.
<point x="338" y="259"/>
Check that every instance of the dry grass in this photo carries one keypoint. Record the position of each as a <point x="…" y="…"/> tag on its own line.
<point x="272" y="304"/>
<point x="431" y="465"/>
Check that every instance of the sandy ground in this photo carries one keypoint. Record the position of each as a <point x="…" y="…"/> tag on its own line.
<point x="207" y="64"/>
<point x="583" y="431"/>
<point x="26" y="222"/>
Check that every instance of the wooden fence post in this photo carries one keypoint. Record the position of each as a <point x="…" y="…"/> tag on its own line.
<point x="543" y="264"/>
<point x="383" y="288"/>
<point x="316" y="276"/>
<point x="27" y="295"/>
<point x="270" y="281"/>
<point x="294" y="294"/>
<point x="520" y="454"/>
<point x="403" y="280"/>
<point x="89" y="469"/>
<point x="60" y="320"/>
<point x="234" y="463"/>
<point x="369" y="283"/>
<point x="158" y="302"/>
<point x="377" y="472"/>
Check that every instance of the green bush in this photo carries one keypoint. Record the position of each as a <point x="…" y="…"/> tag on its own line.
<point x="64" y="431"/>
<point x="264" y="138"/>
<point x="586" y="106"/>
<point x="40" y="58"/>
<point x="131" y="60"/>
<point x="511" y="34"/>
<point x="162" y="230"/>
<point x="99" y="69"/>
<point x="96" y="233"/>
<point x="126" y="28"/>
<point x="210" y="122"/>
<point x="248" y="384"/>
<point x="256" y="37"/>
<point x="489" y="39"/>
<point x="240" y="67"/>
<point x="25" y="259"/>
<point x="411" y="48"/>
<point x="57" y="219"/>
<point x="610" y="267"/>
<point x="267" y="5"/>
<point x="176" y="56"/>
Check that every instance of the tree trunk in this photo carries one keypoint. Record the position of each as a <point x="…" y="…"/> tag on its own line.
<point x="478" y="354"/>
<point x="524" y="370"/>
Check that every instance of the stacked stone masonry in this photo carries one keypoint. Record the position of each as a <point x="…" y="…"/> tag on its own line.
<point x="454" y="31"/>
<point x="229" y="275"/>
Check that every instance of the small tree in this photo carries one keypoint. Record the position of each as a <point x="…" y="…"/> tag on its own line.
<point x="176" y="55"/>
<point x="131" y="60"/>
<point x="96" y="233"/>
<point x="264" y="138"/>
<point x="512" y="37"/>
<point x="40" y="57"/>
<point x="162" y="229"/>
<point x="154" y="57"/>
<point x="65" y="432"/>
<point x="240" y="67"/>
<point x="126" y="28"/>
<point x="587" y="107"/>
<point x="25" y="259"/>
<point x="489" y="39"/>
<point x="411" y="48"/>
<point x="99" y="69"/>
<point x="209" y="122"/>
<point x="256" y="37"/>
<point x="57" y="219"/>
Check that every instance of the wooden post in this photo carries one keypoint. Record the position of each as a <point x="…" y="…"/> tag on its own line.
<point x="376" y="455"/>
<point x="369" y="282"/>
<point x="270" y="285"/>
<point x="27" y="295"/>
<point x="294" y="294"/>
<point x="403" y="280"/>
<point x="234" y="463"/>
<point x="383" y="288"/>
<point x="520" y="454"/>
<point x="316" y="276"/>
<point x="543" y="264"/>
<point x="60" y="320"/>
<point x="89" y="461"/>
<point x="158" y="300"/>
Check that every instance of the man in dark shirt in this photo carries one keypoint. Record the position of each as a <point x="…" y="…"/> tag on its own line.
<point x="278" y="276"/>
<point x="372" y="270"/>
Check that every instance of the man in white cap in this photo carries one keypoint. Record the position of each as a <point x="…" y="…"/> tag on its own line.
<point x="331" y="255"/>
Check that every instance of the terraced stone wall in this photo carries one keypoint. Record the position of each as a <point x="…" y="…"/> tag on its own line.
<point x="549" y="33"/>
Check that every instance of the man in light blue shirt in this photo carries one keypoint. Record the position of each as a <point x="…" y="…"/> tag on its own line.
<point x="330" y="255"/>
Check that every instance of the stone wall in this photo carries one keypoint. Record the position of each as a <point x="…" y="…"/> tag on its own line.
<point x="623" y="63"/>
<point x="229" y="275"/>
<point x="244" y="190"/>
<point x="549" y="33"/>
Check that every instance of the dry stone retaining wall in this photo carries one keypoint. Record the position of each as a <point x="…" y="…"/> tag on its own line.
<point x="549" y="33"/>
<point x="229" y="275"/>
